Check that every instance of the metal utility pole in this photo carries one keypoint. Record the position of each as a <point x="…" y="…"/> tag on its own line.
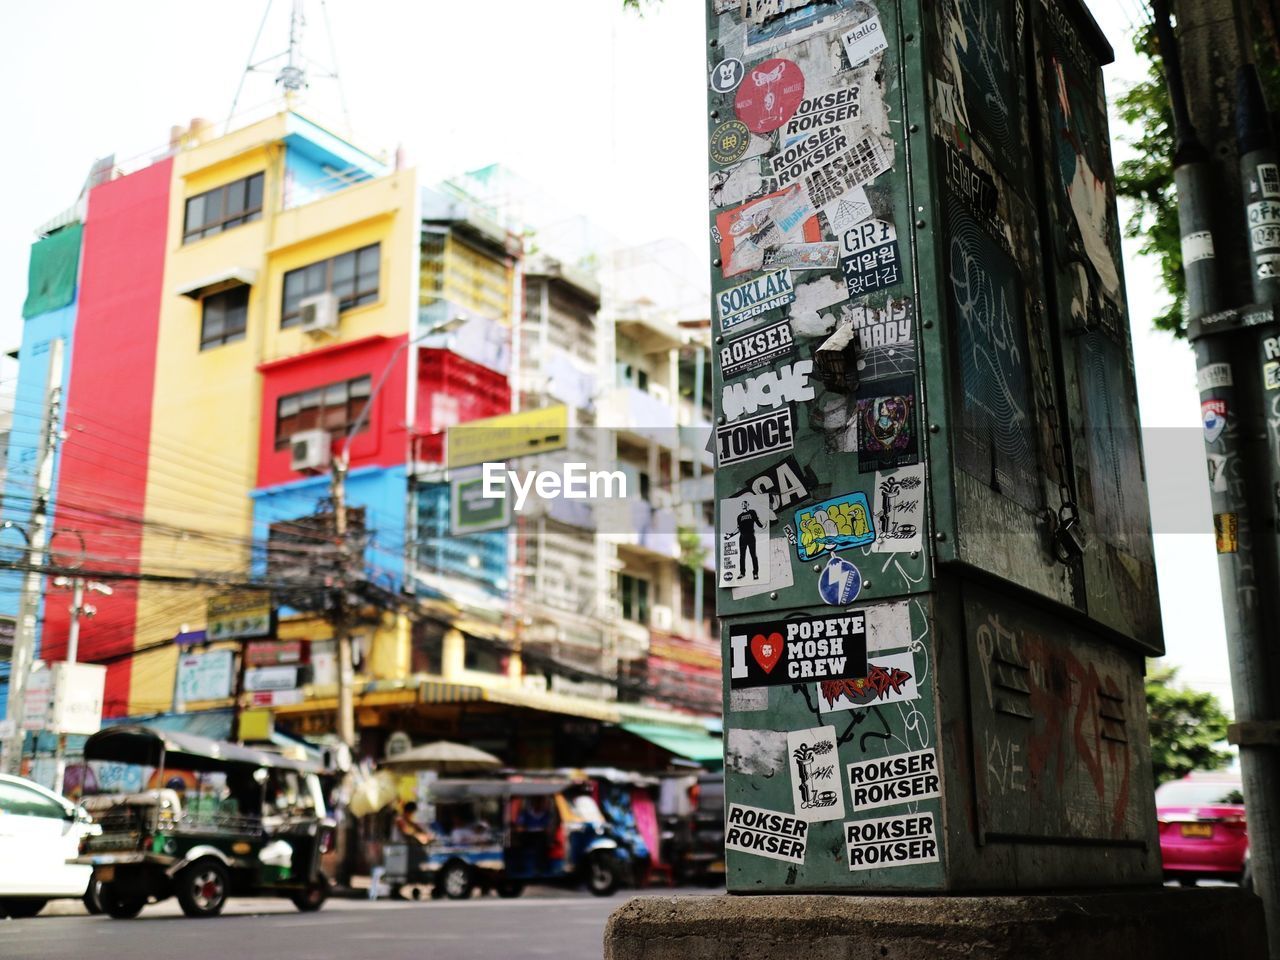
<point x="78" y="609"/>
<point x="341" y="626"/>
<point x="37" y="538"/>
<point x="1230" y="257"/>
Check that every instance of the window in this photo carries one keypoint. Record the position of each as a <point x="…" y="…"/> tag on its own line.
<point x="224" y="317"/>
<point x="352" y="276"/>
<point x="635" y="598"/>
<point x="19" y="801"/>
<point x="223" y="208"/>
<point x="335" y="408"/>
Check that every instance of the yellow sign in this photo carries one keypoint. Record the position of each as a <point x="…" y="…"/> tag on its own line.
<point x="238" y="615"/>
<point x="1227" y="528"/>
<point x="256" y="725"/>
<point x="509" y="436"/>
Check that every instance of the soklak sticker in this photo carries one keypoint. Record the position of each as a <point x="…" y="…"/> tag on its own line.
<point x="899" y="510"/>
<point x="769" y="95"/>
<point x="870" y="258"/>
<point x="836" y="524"/>
<point x="729" y="142"/>
<point x="864" y="41"/>
<point x="785" y="483"/>
<point x="815" y="780"/>
<point x="887" y="781"/>
<point x="765" y="833"/>
<point x="839" y="583"/>
<point x="889" y="679"/>
<point x="727" y="75"/>
<point x="1214" y="415"/>
<point x="768" y="389"/>
<point x="891" y="841"/>
<point x="758" y="295"/>
<point x="754" y="437"/>
<point x="777" y="652"/>
<point x="759" y="348"/>
<point x="744" y="552"/>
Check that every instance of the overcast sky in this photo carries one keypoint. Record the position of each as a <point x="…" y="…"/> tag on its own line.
<point x="600" y="108"/>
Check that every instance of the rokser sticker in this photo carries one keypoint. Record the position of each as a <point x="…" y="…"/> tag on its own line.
<point x="815" y="778"/>
<point x="727" y="75"/>
<point x="827" y="109"/>
<point x="742" y="563"/>
<point x="769" y="389"/>
<point x="786" y="483"/>
<point x="758" y="295"/>
<point x="840" y="582"/>
<point x="1213" y="375"/>
<point x="891" y="841"/>
<point x="808" y="153"/>
<point x="836" y="524"/>
<point x="765" y="833"/>
<point x="729" y="142"/>
<point x="890" y="679"/>
<point x="769" y="95"/>
<point x="899" y="510"/>
<point x="1214" y="415"/>
<point x="754" y="437"/>
<point x="777" y="652"/>
<point x="887" y="781"/>
<point x="759" y="348"/>
<point x="864" y="41"/>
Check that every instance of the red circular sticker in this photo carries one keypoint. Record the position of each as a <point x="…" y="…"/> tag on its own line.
<point x="769" y="95"/>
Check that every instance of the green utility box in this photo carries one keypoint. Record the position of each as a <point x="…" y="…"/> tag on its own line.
<point x="936" y="580"/>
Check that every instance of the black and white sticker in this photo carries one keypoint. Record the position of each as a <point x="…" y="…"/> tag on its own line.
<point x="768" y="291"/>
<point x="768" y="389"/>
<point x="765" y="833"/>
<point x="812" y="152"/>
<point x="887" y="781"/>
<point x="823" y="110"/>
<point x="891" y="841"/>
<point x="754" y="437"/>
<point x="727" y="75"/>
<point x="815" y="778"/>
<point x="778" y="652"/>
<point x="870" y="258"/>
<point x="864" y="41"/>
<point x="756" y="349"/>
<point x="787" y="484"/>
<point x="861" y="163"/>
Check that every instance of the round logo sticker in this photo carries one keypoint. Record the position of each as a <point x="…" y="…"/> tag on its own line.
<point x="840" y="582"/>
<point x="769" y="95"/>
<point x="727" y="75"/>
<point x="729" y="141"/>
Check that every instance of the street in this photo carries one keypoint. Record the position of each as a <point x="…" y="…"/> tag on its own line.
<point x="568" y="926"/>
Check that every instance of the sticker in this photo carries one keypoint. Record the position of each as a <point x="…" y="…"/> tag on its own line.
<point x="727" y="75"/>
<point x="1214" y="415"/>
<point x="778" y="652"/>
<point x="759" y="348"/>
<point x="884" y="338"/>
<point x="795" y="210"/>
<point x="757" y="753"/>
<point x="729" y="142"/>
<point x="807" y="153"/>
<point x="1226" y="530"/>
<point x="769" y="95"/>
<point x="890" y="679"/>
<point x="759" y="295"/>
<point x="785" y="483"/>
<point x="891" y="841"/>
<point x="780" y="575"/>
<point x="1197" y="246"/>
<point x="887" y="781"/>
<point x="1217" y="464"/>
<point x="746" y="231"/>
<point x="1214" y="375"/>
<point x="1264" y="225"/>
<point x="815" y="777"/>
<point x="754" y="437"/>
<point x="765" y="833"/>
<point x="804" y="256"/>
<point x="1271" y="375"/>
<point x="886" y="425"/>
<point x="845" y="213"/>
<point x="769" y="389"/>
<point x="863" y="162"/>
<point x="836" y="524"/>
<point x="864" y="41"/>
<point x="753" y="700"/>
<point x="1268" y="266"/>
<point x="870" y="257"/>
<point x="740" y="562"/>
<point x="1269" y="179"/>
<point x="839" y="583"/>
<point x="824" y="110"/>
<point x="899" y="510"/>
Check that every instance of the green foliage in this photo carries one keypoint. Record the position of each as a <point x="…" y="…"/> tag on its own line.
<point x="692" y="554"/>
<point x="1188" y="727"/>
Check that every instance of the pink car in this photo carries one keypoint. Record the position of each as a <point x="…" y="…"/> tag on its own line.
<point x="1202" y="828"/>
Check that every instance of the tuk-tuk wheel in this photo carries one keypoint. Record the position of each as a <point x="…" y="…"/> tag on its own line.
<point x="602" y="875"/>
<point x="509" y="889"/>
<point x="456" y="880"/>
<point x="202" y="888"/>
<point x="311" y="899"/>
<point x="120" y="906"/>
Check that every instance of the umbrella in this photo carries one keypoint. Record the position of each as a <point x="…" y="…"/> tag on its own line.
<point x="373" y="793"/>
<point x="442" y="757"/>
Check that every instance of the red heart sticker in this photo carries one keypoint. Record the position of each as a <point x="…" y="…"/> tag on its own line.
<point x="767" y="650"/>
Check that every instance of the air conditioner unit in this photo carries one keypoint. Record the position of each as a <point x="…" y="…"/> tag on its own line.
<point x="660" y="617"/>
<point x="309" y="450"/>
<point x="319" y="313"/>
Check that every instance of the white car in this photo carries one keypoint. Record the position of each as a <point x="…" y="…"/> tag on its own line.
<point x="39" y="832"/>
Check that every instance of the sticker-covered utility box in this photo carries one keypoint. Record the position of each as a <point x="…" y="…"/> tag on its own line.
<point x="936" y="580"/>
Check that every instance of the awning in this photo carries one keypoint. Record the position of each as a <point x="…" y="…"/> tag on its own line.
<point x="681" y="741"/>
<point x="222" y="280"/>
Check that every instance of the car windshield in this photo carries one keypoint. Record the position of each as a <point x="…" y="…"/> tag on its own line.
<point x="1201" y="793"/>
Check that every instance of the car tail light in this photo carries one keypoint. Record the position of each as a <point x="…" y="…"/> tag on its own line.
<point x="1234" y="819"/>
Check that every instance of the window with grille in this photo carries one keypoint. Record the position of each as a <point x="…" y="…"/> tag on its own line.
<point x="334" y="407"/>
<point x="351" y="276"/>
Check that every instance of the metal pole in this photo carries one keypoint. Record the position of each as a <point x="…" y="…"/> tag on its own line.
<point x="341" y="634"/>
<point x="29" y="604"/>
<point x="73" y="648"/>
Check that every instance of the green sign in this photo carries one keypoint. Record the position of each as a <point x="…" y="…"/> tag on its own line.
<point x="472" y="511"/>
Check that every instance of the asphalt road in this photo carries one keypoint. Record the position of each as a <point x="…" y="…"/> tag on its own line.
<point x="542" y="923"/>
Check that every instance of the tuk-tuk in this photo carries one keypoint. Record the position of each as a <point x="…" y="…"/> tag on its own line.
<point x="215" y="820"/>
<point x="503" y="834"/>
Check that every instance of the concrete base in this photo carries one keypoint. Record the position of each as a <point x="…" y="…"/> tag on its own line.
<point x="1163" y="924"/>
